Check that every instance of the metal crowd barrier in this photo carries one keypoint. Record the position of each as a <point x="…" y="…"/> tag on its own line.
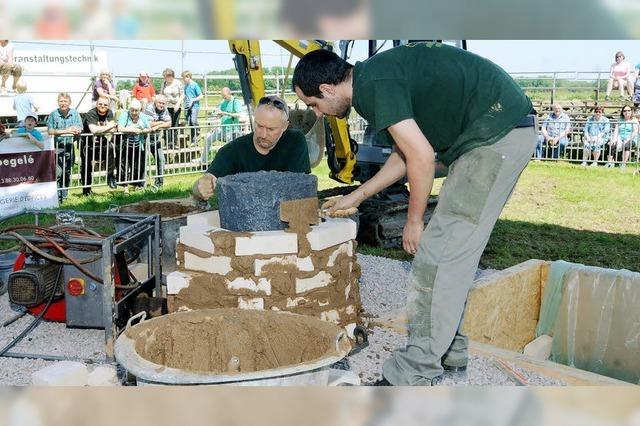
<point x="100" y="160"/>
<point x="110" y="159"/>
<point x="574" y="149"/>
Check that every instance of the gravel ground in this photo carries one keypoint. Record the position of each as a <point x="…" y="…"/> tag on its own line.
<point x="47" y="338"/>
<point x="379" y="294"/>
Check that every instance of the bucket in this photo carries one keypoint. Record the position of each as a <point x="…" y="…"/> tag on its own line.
<point x="6" y="266"/>
<point x="170" y="223"/>
<point x="233" y="347"/>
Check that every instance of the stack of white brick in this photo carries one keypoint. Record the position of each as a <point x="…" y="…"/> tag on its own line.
<point x="272" y="253"/>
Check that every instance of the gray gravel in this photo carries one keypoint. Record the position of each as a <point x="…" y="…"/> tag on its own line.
<point x="47" y="338"/>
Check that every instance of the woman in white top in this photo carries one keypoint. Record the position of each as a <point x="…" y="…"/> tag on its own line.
<point x="621" y="75"/>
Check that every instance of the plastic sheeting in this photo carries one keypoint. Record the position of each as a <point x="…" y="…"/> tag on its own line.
<point x="593" y="315"/>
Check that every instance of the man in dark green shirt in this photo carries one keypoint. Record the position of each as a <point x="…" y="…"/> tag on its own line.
<point x="427" y="98"/>
<point x="270" y="147"/>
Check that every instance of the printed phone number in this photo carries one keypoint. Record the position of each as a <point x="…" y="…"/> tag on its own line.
<point x="18" y="179"/>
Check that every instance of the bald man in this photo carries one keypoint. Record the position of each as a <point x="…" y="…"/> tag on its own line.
<point x="272" y="146"/>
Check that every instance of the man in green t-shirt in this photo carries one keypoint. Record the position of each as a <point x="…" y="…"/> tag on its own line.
<point x="270" y="147"/>
<point x="427" y="98"/>
<point x="230" y="108"/>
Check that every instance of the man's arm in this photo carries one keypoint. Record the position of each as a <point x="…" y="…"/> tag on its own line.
<point x="420" y="160"/>
<point x="414" y="157"/>
<point x="108" y="127"/>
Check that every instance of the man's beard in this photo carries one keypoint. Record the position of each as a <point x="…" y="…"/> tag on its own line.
<point x="344" y="111"/>
<point x="264" y="144"/>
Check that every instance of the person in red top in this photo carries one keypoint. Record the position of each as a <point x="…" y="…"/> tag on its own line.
<point x="144" y="90"/>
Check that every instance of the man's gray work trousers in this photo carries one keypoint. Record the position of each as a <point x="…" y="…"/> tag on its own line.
<point x="476" y="189"/>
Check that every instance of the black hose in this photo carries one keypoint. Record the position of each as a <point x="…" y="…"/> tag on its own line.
<point x="48" y="256"/>
<point x="15" y="318"/>
<point x="36" y="320"/>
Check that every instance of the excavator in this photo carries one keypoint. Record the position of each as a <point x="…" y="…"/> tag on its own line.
<point x="381" y="218"/>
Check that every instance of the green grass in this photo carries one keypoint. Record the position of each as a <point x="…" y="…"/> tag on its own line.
<point x="557" y="211"/>
<point x="563" y="211"/>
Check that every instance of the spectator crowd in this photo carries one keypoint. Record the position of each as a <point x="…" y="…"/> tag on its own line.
<point x="123" y="141"/>
<point x="119" y="142"/>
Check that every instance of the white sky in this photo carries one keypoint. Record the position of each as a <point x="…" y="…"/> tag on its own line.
<point x="207" y="55"/>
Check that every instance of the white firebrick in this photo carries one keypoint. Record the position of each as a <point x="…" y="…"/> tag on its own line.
<point x="343" y="248"/>
<point x="253" y="303"/>
<point x="176" y="281"/>
<point x="213" y="264"/>
<point x="277" y="260"/>
<point x="331" y="233"/>
<point x="240" y="283"/>
<point x="267" y="242"/>
<point x="321" y="279"/>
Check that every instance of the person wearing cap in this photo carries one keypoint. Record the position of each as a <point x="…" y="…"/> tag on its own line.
<point x="144" y="90"/>
<point x="272" y="146"/>
<point x="29" y="130"/>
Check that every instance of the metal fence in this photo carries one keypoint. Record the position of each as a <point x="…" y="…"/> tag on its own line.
<point x="114" y="159"/>
<point x="609" y="151"/>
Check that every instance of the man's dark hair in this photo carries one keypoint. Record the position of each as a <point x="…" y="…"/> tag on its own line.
<point x="319" y="67"/>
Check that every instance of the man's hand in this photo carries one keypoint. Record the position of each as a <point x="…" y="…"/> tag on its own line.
<point x="204" y="187"/>
<point x="335" y="205"/>
<point x="411" y="235"/>
<point x="74" y="130"/>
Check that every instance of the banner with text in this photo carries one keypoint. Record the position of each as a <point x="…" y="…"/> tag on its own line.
<point x="27" y="176"/>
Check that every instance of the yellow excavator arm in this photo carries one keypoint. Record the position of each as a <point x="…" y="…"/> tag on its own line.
<point x="248" y="63"/>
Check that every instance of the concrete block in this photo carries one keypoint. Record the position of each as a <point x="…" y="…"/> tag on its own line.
<point x="253" y="303"/>
<point x="197" y="236"/>
<point x="345" y="248"/>
<point x="331" y="233"/>
<point x="305" y="264"/>
<point x="322" y="279"/>
<point x="350" y="328"/>
<point x="240" y="283"/>
<point x="214" y="265"/>
<point x="210" y="218"/>
<point x="276" y="260"/>
<point x="540" y="348"/>
<point x="103" y="375"/>
<point x="63" y="373"/>
<point x="176" y="281"/>
<point x="267" y="242"/>
<point x="330" y="316"/>
<point x="251" y="201"/>
<point x="140" y="271"/>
